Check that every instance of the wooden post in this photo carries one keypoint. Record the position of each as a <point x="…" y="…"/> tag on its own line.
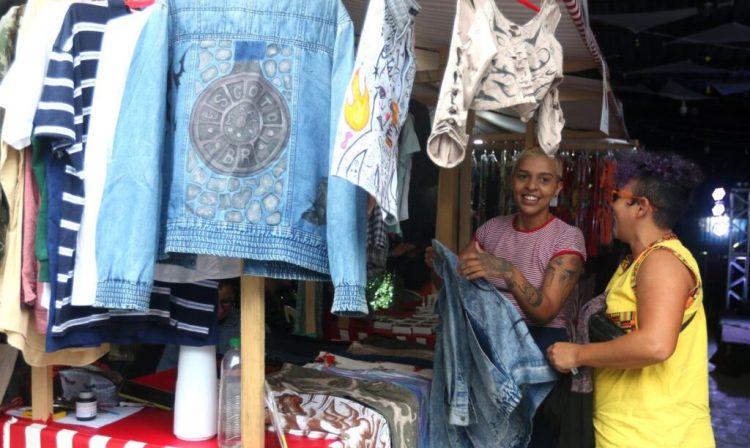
<point x="343" y="322"/>
<point x="41" y="393"/>
<point x="252" y="352"/>
<point x="447" y="208"/>
<point x="530" y="137"/>
<point x="464" y="204"/>
<point x="464" y="190"/>
<point x="310" y="311"/>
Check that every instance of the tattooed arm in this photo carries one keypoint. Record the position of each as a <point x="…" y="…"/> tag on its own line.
<point x="541" y="305"/>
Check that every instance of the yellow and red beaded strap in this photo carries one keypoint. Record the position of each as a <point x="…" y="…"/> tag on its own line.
<point x="654" y="246"/>
<point x="649" y="249"/>
<point x="627" y="320"/>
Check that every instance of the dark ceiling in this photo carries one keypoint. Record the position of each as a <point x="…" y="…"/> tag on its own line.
<point x="713" y="130"/>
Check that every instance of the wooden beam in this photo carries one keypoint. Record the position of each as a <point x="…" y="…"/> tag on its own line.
<point x="596" y="143"/>
<point x="582" y="135"/>
<point x="428" y="76"/>
<point x="597" y="146"/>
<point x="567" y="134"/>
<point x="252" y="353"/>
<point x="501" y="137"/>
<point x="41" y="393"/>
<point x="571" y="96"/>
<point x="578" y="65"/>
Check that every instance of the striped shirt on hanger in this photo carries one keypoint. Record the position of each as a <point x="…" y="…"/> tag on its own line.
<point x="62" y="119"/>
<point x="178" y="313"/>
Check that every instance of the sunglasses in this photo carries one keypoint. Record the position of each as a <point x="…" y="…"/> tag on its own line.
<point x="624" y="194"/>
<point x="627" y="194"/>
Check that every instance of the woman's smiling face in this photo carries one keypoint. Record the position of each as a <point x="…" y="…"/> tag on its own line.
<point x="535" y="182"/>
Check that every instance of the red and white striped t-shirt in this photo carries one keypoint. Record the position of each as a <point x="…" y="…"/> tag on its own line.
<point x="530" y="251"/>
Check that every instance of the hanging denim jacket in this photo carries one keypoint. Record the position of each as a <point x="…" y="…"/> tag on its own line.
<point x="489" y="376"/>
<point x="250" y="94"/>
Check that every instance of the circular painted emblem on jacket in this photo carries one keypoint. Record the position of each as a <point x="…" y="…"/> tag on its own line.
<point x="239" y="124"/>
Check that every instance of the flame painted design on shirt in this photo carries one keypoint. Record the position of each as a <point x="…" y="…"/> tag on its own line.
<point x="357" y="108"/>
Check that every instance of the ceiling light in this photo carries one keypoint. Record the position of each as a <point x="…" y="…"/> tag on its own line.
<point x="718" y="209"/>
<point x="720" y="226"/>
<point x="719" y="194"/>
<point x="478" y="141"/>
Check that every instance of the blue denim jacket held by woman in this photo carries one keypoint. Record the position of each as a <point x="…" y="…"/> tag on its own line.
<point x="489" y="376"/>
<point x="251" y="93"/>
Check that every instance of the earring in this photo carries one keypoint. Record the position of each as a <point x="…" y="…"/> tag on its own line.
<point x="553" y="202"/>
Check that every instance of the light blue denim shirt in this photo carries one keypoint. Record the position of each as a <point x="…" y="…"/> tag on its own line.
<point x="489" y="375"/>
<point x="225" y="144"/>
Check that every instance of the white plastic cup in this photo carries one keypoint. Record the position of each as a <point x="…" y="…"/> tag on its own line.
<point x="195" y="401"/>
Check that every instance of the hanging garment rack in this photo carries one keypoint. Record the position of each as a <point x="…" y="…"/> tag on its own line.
<point x="529" y="5"/>
<point x="571" y="140"/>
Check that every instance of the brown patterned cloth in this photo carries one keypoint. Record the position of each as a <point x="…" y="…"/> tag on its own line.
<point x="321" y="416"/>
<point x="397" y="404"/>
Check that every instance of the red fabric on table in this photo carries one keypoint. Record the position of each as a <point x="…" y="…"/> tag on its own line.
<point x="357" y="334"/>
<point x="164" y="380"/>
<point x="151" y="427"/>
<point x="359" y="329"/>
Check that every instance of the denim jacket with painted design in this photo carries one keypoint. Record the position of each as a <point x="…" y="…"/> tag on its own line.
<point x="251" y="91"/>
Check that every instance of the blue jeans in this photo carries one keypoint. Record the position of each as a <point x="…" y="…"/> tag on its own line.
<point x="489" y="375"/>
<point x="543" y="435"/>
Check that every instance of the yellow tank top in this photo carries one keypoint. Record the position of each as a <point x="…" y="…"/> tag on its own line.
<point x="665" y="404"/>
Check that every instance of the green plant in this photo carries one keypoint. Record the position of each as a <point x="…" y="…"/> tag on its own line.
<point x="381" y="291"/>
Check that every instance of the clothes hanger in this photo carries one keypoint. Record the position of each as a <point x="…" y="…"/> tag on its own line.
<point x="529" y="5"/>
<point x="138" y="4"/>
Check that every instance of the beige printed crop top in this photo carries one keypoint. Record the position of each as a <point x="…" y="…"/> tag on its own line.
<point x="495" y="63"/>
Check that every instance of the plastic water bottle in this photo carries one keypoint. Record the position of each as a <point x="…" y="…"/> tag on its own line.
<point x="229" y="433"/>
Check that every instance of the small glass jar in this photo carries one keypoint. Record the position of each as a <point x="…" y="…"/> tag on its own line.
<point x="85" y="406"/>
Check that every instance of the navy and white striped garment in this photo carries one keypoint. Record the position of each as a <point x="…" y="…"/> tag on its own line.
<point x="179" y="313"/>
<point x="62" y="119"/>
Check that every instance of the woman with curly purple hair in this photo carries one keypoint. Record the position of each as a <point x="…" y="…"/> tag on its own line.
<point x="651" y="384"/>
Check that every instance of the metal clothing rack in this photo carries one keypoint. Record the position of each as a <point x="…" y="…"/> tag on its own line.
<point x="571" y="140"/>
